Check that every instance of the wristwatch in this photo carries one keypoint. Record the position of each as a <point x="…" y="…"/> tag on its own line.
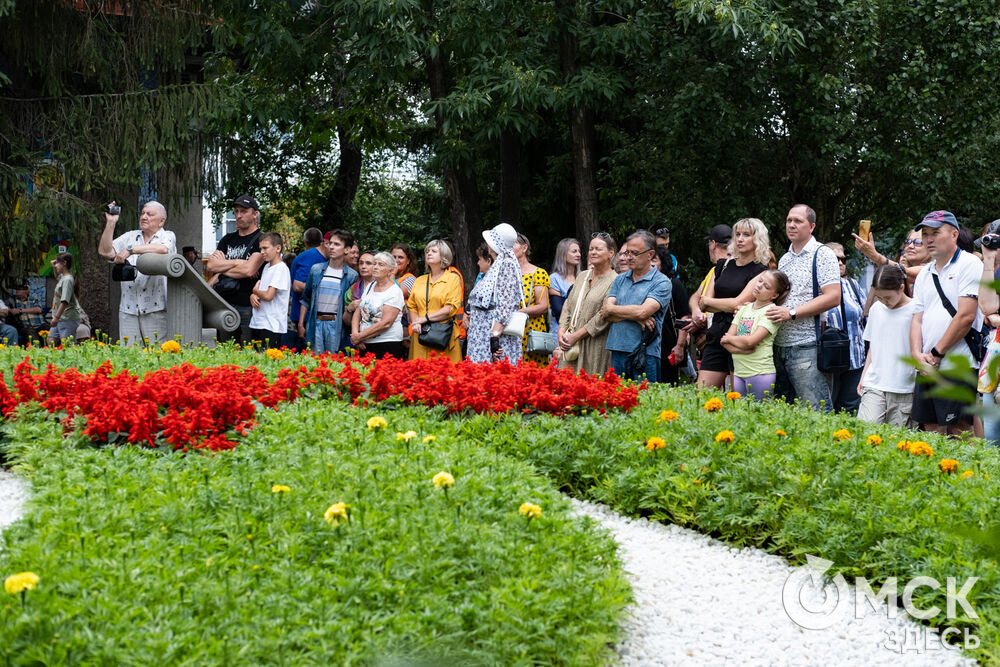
<point x="129" y="248"/>
<point x="934" y="351"/>
<point x="791" y="313"/>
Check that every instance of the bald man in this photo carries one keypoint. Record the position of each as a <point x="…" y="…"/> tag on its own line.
<point x="143" y="310"/>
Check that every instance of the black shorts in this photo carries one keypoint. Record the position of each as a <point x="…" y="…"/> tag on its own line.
<point x="929" y="409"/>
<point x="715" y="358"/>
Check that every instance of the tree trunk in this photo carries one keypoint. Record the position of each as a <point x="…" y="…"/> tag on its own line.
<point x="341" y="196"/>
<point x="510" y="177"/>
<point x="581" y="125"/>
<point x="460" y="184"/>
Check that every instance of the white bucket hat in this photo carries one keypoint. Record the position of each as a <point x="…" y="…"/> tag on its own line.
<point x="500" y="238"/>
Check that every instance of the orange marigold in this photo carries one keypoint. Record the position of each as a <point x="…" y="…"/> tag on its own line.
<point x="842" y="434"/>
<point x="948" y="465"/>
<point x="780" y="432"/>
<point x="713" y="405"/>
<point x="171" y="346"/>
<point x="655" y="442"/>
<point x="903" y="445"/>
<point x="733" y="395"/>
<point x="668" y="416"/>
<point x="725" y="436"/>
<point x="874" y="439"/>
<point x="921" y="448"/>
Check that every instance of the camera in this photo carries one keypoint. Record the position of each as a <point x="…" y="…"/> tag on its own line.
<point x="123" y="273"/>
<point x="991" y="241"/>
<point x="113" y="210"/>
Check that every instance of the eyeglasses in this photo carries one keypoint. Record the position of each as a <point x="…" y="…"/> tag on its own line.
<point x="629" y="253"/>
<point x="908" y="242"/>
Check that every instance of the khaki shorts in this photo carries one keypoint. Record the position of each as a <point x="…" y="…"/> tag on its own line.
<point x="886" y="407"/>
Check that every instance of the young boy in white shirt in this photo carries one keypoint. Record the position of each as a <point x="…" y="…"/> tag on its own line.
<point x="269" y="298"/>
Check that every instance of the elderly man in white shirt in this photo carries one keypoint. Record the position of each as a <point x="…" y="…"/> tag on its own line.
<point x="143" y="311"/>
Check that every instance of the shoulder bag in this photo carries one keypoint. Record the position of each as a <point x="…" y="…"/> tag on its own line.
<point x="435" y="335"/>
<point x="833" y="346"/>
<point x="539" y="341"/>
<point x="974" y="339"/>
<point x="573" y="353"/>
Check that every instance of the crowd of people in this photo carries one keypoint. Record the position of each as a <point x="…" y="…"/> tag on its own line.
<point x="797" y="326"/>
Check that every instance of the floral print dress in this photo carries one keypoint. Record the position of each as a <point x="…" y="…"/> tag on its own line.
<point x="539" y="278"/>
<point x="487" y="305"/>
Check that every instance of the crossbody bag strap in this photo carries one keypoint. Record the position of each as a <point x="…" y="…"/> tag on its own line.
<point x="427" y="299"/>
<point x="969" y="340"/>
<point x="579" y="302"/>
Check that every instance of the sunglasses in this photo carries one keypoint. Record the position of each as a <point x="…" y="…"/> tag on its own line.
<point x="601" y="235"/>
<point x="663" y="231"/>
<point x="908" y="242"/>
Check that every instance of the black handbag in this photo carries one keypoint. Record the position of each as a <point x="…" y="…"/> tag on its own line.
<point x="833" y="345"/>
<point x="435" y="335"/>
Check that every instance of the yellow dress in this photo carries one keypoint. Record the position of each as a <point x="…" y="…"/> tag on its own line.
<point x="538" y="322"/>
<point x="445" y="291"/>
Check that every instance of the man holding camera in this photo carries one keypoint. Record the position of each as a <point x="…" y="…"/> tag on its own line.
<point x="143" y="311"/>
<point x="238" y="261"/>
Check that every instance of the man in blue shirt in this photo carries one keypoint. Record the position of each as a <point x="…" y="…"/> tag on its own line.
<point x="312" y="255"/>
<point x="635" y="306"/>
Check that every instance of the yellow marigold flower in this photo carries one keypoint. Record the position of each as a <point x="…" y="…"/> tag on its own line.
<point x="280" y="488"/>
<point x="903" y="445"/>
<point x="443" y="480"/>
<point x="697" y="481"/>
<point x="377" y="423"/>
<point x="921" y="448"/>
<point x="336" y="514"/>
<point x="429" y="438"/>
<point x="44" y="333"/>
<point x="780" y="432"/>
<point x="22" y="581"/>
<point x="668" y="416"/>
<point x="171" y="346"/>
<point x="725" y="436"/>
<point x="733" y="395"/>
<point x="842" y="434"/>
<point x="276" y="354"/>
<point x="655" y="442"/>
<point x="874" y="439"/>
<point x="948" y="465"/>
<point x="713" y="405"/>
<point x="208" y="562"/>
<point x="967" y="474"/>
<point x="406" y="437"/>
<point x="2" y="346"/>
<point x="530" y="510"/>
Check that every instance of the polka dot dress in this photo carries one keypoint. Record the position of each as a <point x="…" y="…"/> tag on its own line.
<point x="538" y="322"/>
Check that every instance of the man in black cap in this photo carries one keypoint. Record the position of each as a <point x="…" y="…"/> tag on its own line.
<point x="237" y="260"/>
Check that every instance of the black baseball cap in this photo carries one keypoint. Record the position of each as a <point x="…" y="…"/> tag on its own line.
<point x="246" y="201"/>
<point x="720" y="234"/>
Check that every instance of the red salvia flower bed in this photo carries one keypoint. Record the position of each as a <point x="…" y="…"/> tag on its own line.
<point x="203" y="408"/>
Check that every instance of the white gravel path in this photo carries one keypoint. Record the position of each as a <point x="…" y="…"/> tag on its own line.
<point x="701" y="601"/>
<point x="13" y="494"/>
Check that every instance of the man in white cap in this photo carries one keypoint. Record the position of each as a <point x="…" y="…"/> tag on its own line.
<point x="142" y="313"/>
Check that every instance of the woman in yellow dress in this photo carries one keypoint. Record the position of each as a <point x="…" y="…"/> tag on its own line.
<point x="443" y="290"/>
<point x="536" y="298"/>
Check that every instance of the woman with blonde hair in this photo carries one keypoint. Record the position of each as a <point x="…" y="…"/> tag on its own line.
<point x="377" y="326"/>
<point x="583" y="332"/>
<point x="436" y="297"/>
<point x="730" y="287"/>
